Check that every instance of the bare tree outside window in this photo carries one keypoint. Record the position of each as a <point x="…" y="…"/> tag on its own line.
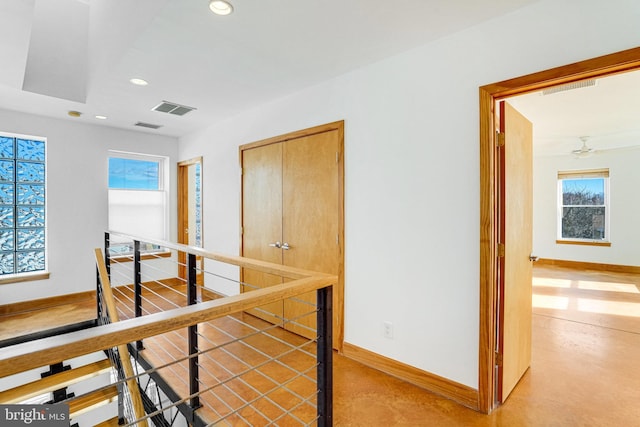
<point x="583" y="208"/>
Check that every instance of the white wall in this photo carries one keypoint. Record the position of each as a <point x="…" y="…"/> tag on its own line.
<point x="77" y="196"/>
<point x="624" y="207"/>
<point x="412" y="169"/>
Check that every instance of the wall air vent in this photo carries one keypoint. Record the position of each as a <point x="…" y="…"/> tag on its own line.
<point x="147" y="125"/>
<point x="172" y="108"/>
<point x="569" y="86"/>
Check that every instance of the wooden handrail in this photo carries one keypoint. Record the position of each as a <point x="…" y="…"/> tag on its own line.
<point x="263" y="266"/>
<point x="47" y="351"/>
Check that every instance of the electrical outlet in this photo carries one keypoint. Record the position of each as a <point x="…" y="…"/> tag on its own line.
<point x="387" y="330"/>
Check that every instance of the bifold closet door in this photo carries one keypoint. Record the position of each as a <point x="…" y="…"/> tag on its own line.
<point x="311" y="212"/>
<point x="262" y="220"/>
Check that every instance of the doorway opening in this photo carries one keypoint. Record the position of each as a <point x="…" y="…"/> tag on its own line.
<point x="190" y="213"/>
<point x="489" y="204"/>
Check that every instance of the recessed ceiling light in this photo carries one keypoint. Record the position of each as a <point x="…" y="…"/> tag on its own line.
<point x="139" y="82"/>
<point x="220" y="7"/>
<point x="101" y="117"/>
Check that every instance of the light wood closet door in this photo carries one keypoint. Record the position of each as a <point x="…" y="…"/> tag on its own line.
<point x="292" y="193"/>
<point x="262" y="220"/>
<point x="310" y="216"/>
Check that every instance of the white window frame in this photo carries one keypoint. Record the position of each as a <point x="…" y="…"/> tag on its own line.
<point x="602" y="173"/>
<point x="163" y="187"/>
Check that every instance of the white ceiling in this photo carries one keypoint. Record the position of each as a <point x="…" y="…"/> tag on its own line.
<point x="61" y="55"/>
<point x="607" y="113"/>
<point x="79" y="55"/>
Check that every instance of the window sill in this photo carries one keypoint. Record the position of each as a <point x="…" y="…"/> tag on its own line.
<point x="25" y="277"/>
<point x="145" y="257"/>
<point x="583" y="242"/>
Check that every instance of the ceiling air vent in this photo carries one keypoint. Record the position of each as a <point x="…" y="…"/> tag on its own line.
<point x="147" y="125"/>
<point x="569" y="86"/>
<point x="172" y="108"/>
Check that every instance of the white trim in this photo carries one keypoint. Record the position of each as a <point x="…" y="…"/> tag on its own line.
<point x="586" y="174"/>
<point x="163" y="181"/>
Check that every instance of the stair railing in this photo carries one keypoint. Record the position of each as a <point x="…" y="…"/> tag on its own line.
<point x="25" y="356"/>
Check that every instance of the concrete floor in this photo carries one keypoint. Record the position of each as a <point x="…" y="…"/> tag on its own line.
<point x="585" y="368"/>
<point x="584" y="371"/>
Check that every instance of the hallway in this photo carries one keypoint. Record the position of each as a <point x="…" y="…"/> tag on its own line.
<point x="584" y="368"/>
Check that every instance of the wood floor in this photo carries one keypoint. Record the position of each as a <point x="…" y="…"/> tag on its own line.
<point x="585" y="367"/>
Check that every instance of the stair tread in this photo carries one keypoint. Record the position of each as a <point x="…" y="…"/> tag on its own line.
<point x="54" y="382"/>
<point x="86" y="402"/>
<point x="109" y="423"/>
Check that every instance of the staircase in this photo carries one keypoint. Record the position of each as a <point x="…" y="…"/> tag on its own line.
<point x="215" y="361"/>
<point x="89" y="379"/>
<point x="54" y="382"/>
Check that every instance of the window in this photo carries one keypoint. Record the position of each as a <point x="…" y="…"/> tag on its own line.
<point x="22" y="205"/>
<point x="583" y="213"/>
<point x="137" y="200"/>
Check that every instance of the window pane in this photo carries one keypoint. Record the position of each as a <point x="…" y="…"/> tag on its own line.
<point x="6" y="240"/>
<point x="31" y="239"/>
<point x="133" y="174"/>
<point x="139" y="213"/>
<point x="30" y="172"/>
<point x="30" y="217"/>
<point x="30" y="261"/>
<point x="30" y="150"/>
<point x="6" y="170"/>
<point x="6" y="216"/>
<point x="583" y="223"/>
<point x="6" y="147"/>
<point x="198" y="207"/>
<point x="6" y="194"/>
<point x="583" y="191"/>
<point x="30" y="194"/>
<point x="6" y="263"/>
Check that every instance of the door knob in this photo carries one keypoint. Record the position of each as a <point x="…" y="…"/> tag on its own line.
<point x="533" y="258"/>
<point x="286" y="246"/>
<point x="275" y="245"/>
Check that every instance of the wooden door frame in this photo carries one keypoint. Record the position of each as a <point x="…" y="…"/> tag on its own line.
<point x="614" y="63"/>
<point x="183" y="220"/>
<point x="338" y="307"/>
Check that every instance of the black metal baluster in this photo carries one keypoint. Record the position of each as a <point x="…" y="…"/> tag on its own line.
<point x="98" y="298"/>
<point x="137" y="285"/>
<point x="192" y="298"/>
<point x="107" y="262"/>
<point x="107" y="253"/>
<point x="325" y="356"/>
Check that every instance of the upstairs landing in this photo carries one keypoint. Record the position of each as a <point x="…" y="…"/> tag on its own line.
<point x="41" y="314"/>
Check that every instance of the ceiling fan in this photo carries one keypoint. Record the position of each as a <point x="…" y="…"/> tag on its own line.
<point x="583" y="151"/>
